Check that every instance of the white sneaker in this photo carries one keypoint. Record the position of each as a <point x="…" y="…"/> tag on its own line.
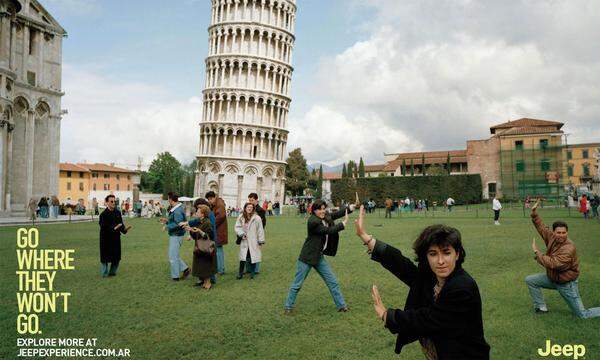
<point x="496" y="223"/>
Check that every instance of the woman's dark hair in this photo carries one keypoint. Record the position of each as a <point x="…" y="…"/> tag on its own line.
<point x="200" y="201"/>
<point x="317" y="205"/>
<point x="560" y="224"/>
<point x="442" y="236"/>
<point x="246" y="216"/>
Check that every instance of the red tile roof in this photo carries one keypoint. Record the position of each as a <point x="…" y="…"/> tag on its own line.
<point x="527" y="122"/>
<point x="524" y="130"/>
<point x="374" y="168"/>
<point x="105" y="168"/>
<point x="331" y="176"/>
<point x="431" y="157"/>
<point x="71" y="167"/>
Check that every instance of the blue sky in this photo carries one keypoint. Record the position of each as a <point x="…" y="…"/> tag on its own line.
<point x="374" y="75"/>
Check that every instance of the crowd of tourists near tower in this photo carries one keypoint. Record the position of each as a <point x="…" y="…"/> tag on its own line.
<point x="443" y="308"/>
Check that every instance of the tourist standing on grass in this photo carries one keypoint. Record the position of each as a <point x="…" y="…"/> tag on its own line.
<point x="204" y="265"/>
<point x="195" y="222"/>
<point x="388" y="208"/>
<point x="450" y="203"/>
<point x="249" y="230"/>
<point x="31" y="209"/>
<point x="253" y="199"/>
<point x="562" y="268"/>
<point x="217" y="205"/>
<point x="43" y="206"/>
<point x="594" y="203"/>
<point x="443" y="307"/>
<point x="496" y="206"/>
<point x="111" y="228"/>
<point x="176" y="215"/>
<point x="322" y="239"/>
<point x="583" y="206"/>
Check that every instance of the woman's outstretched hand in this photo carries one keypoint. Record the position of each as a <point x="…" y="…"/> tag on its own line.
<point x="360" y="229"/>
<point x="378" y="304"/>
<point x="345" y="221"/>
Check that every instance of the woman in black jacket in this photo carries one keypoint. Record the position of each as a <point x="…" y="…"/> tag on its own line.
<point x="322" y="240"/>
<point x="443" y="307"/>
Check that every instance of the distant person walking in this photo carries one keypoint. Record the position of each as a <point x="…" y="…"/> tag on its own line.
<point x="584" y="206"/>
<point x="450" y="203"/>
<point x="496" y="206"/>
<point x="388" y="208"/>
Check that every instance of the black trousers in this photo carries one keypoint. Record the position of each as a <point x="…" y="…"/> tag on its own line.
<point x="496" y="215"/>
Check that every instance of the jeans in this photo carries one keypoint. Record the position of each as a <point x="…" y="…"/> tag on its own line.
<point x="220" y="260"/>
<point x="105" y="271"/>
<point x="324" y="270"/>
<point x="569" y="291"/>
<point x="177" y="265"/>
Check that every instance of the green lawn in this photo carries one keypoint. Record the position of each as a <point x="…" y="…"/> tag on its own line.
<point x="142" y="309"/>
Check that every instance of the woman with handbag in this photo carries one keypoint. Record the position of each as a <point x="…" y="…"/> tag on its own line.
<point x="205" y="262"/>
<point x="251" y="238"/>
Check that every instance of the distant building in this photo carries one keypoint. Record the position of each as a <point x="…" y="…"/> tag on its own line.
<point x="374" y="170"/>
<point x="30" y="104"/>
<point x="418" y="160"/>
<point x="582" y="166"/>
<point x="89" y="181"/>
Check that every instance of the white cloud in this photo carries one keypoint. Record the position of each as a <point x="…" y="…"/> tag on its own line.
<point x="440" y="73"/>
<point x="329" y="136"/>
<point x="115" y="121"/>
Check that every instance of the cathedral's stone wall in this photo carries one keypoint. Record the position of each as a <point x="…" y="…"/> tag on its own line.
<point x="30" y="103"/>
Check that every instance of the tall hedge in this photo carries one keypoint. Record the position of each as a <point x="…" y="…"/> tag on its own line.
<point x="462" y="188"/>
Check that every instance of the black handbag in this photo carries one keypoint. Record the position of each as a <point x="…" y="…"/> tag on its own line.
<point x="238" y="240"/>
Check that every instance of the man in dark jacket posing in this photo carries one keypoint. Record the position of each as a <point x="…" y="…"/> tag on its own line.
<point x="217" y="205"/>
<point x="322" y="240"/>
<point x="111" y="228"/>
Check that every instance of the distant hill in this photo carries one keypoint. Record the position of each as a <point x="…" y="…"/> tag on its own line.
<point x="326" y="168"/>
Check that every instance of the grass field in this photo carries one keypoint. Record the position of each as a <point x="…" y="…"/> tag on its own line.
<point x="143" y="310"/>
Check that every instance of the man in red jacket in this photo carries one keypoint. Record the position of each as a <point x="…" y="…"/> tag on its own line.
<point x="218" y="207"/>
<point x="562" y="268"/>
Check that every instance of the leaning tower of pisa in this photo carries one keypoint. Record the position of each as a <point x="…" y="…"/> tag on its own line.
<point x="246" y="100"/>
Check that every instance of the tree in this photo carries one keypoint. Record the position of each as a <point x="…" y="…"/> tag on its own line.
<point x="344" y="172"/>
<point x="412" y="168"/>
<point x="436" y="170"/>
<point x="448" y="164"/>
<point x="351" y="169"/>
<point x="423" y="165"/>
<point x="361" y="168"/>
<point x="165" y="174"/>
<point x="314" y="171"/>
<point x="403" y="169"/>
<point x="296" y="172"/>
<point x="319" y="192"/>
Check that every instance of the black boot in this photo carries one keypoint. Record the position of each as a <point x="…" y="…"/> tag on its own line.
<point x="241" y="270"/>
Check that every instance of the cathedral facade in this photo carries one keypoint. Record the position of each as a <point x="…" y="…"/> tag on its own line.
<point x="246" y="100"/>
<point x="30" y="103"/>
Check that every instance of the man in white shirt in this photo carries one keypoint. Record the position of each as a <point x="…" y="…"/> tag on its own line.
<point x="450" y="203"/>
<point x="496" y="206"/>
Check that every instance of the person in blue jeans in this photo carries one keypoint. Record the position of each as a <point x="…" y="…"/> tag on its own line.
<point x="562" y="268"/>
<point x="175" y="216"/>
<point x="322" y="239"/>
